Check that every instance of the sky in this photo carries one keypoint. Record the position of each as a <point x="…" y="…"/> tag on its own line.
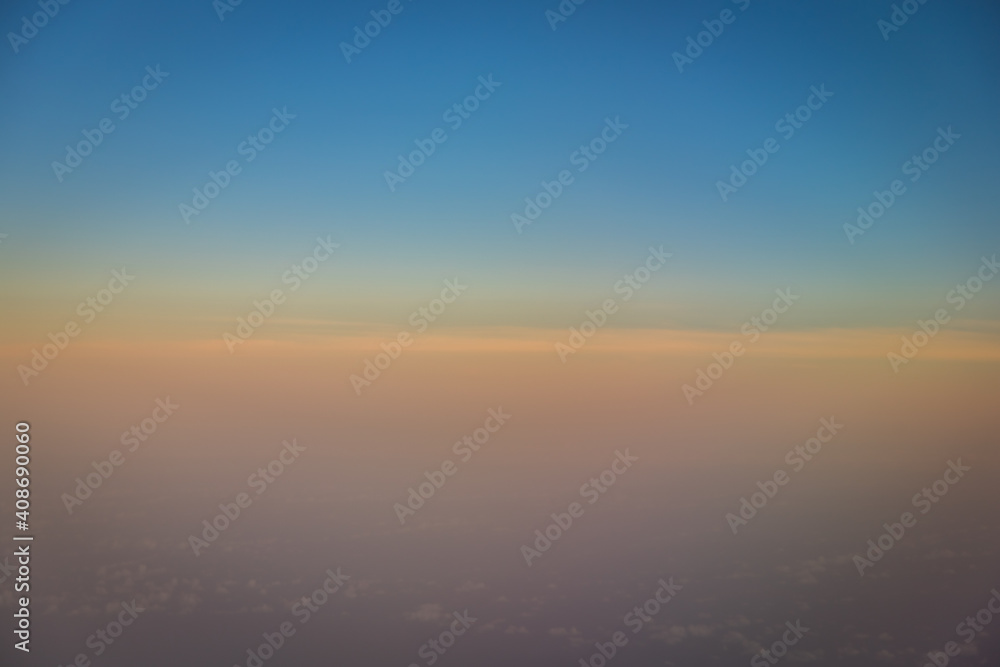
<point x="653" y="302"/>
<point x="325" y="175"/>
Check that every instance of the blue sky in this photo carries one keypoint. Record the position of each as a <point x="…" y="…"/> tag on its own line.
<point x="655" y="185"/>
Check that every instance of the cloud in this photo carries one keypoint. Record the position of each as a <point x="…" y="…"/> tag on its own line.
<point x="470" y="587"/>
<point x="573" y="635"/>
<point x="675" y="634"/>
<point x="428" y="612"/>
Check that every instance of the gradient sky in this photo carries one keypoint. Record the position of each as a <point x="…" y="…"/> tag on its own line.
<point x="324" y="175"/>
<point x="655" y="186"/>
